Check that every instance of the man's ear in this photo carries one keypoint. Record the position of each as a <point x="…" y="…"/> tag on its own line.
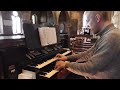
<point x="97" y="16"/>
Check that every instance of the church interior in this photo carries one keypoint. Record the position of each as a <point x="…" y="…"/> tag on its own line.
<point x="29" y="41"/>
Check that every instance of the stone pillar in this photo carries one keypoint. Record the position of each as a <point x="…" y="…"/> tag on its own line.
<point x="57" y="32"/>
<point x="26" y="16"/>
<point x="116" y="19"/>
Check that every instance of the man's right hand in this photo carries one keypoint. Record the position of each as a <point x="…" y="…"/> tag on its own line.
<point x="61" y="57"/>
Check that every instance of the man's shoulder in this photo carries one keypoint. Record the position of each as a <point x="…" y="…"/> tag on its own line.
<point x="113" y="35"/>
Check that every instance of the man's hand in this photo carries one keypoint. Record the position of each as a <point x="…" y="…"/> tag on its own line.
<point x="60" y="65"/>
<point x="61" y="57"/>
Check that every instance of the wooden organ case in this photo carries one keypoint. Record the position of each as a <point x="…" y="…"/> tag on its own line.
<point x="40" y="59"/>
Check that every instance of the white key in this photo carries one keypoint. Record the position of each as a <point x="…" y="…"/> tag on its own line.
<point x="50" y="61"/>
<point x="45" y="63"/>
<point x="48" y="75"/>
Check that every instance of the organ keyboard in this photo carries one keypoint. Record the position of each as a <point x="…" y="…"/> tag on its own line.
<point x="50" y="61"/>
<point x="54" y="71"/>
<point x="43" y="64"/>
<point x="41" y="50"/>
<point x="51" y="73"/>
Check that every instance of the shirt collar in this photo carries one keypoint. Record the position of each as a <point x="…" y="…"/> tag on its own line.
<point x="105" y="29"/>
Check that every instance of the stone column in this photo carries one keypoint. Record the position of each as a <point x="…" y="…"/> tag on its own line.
<point x="26" y="16"/>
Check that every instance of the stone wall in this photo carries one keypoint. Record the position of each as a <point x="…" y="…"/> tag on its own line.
<point x="26" y="16"/>
<point x="116" y="19"/>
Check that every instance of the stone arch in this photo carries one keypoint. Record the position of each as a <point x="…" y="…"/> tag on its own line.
<point x="64" y="15"/>
<point x="63" y="20"/>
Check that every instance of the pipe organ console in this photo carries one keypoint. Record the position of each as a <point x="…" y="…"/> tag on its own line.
<point x="42" y="48"/>
<point x="42" y="61"/>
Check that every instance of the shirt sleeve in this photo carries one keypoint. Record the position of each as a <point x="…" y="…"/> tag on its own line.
<point x="103" y="55"/>
<point x="81" y="56"/>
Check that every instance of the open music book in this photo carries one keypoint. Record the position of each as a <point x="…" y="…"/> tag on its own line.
<point x="47" y="35"/>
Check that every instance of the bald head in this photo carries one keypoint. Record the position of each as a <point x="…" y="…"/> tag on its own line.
<point x="103" y="14"/>
<point x="96" y="20"/>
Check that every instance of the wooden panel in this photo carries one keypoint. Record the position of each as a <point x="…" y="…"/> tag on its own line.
<point x="11" y="42"/>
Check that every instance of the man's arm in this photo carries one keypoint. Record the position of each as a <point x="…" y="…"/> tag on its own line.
<point x="83" y="56"/>
<point x="103" y="55"/>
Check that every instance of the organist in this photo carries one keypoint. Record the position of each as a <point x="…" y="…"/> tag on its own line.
<point x="102" y="60"/>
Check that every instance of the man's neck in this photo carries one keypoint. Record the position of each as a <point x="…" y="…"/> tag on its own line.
<point x="105" y="24"/>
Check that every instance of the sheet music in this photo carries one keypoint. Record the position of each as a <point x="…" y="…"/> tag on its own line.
<point x="50" y="36"/>
<point x="47" y="35"/>
<point x="54" y="36"/>
<point x="42" y="36"/>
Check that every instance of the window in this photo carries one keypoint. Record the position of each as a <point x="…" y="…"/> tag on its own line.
<point x="84" y="20"/>
<point x="34" y="18"/>
<point x="1" y="24"/>
<point x="61" y="27"/>
<point x="116" y="19"/>
<point x="16" y="23"/>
